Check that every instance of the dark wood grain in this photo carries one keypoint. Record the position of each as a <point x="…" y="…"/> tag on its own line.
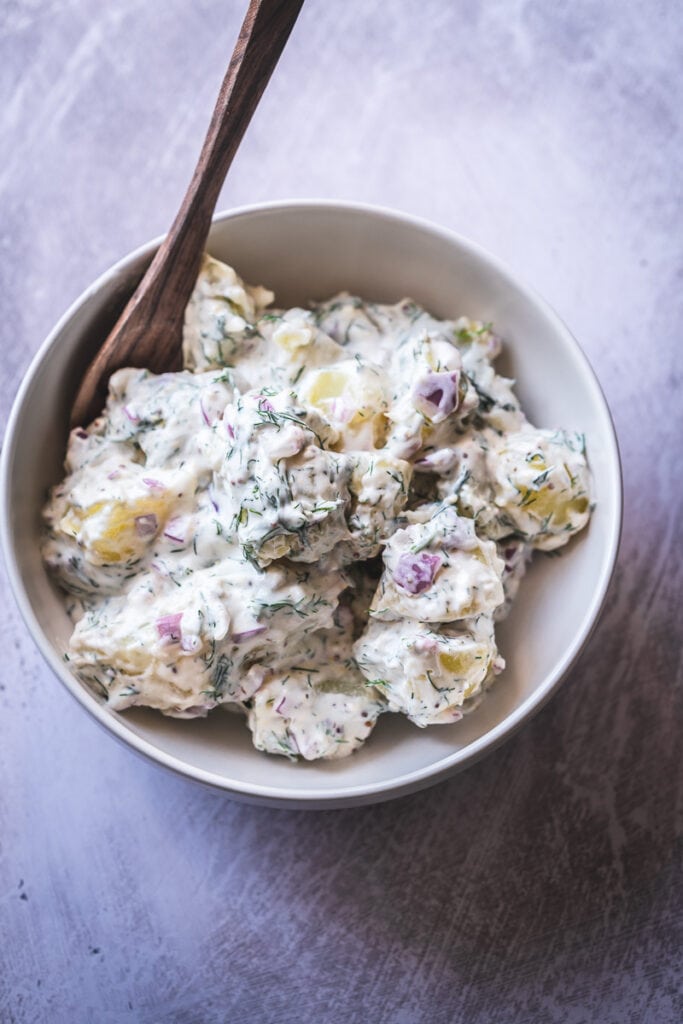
<point x="149" y="331"/>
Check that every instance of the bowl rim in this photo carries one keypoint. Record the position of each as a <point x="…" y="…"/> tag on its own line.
<point x="340" y="795"/>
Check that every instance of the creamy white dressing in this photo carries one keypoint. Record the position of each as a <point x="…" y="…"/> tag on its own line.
<point x="317" y="521"/>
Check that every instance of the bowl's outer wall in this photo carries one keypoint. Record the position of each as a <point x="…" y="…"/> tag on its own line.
<point x="312" y="250"/>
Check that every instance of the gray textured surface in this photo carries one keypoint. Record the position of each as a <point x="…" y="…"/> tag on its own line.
<point x="544" y="885"/>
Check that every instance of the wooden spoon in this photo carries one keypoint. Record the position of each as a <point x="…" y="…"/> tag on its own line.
<point x="149" y="331"/>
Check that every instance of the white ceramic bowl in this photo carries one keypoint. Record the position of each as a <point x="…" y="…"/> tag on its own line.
<point x="309" y="250"/>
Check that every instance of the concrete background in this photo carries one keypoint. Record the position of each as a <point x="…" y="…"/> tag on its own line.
<point x="543" y="885"/>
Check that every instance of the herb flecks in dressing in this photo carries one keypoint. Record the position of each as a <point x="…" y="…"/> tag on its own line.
<point x="319" y="520"/>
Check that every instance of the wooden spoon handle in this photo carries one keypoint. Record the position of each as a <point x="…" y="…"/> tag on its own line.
<point x="149" y="331"/>
<point x="265" y="31"/>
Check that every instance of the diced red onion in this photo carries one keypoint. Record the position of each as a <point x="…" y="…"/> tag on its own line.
<point x="204" y="416"/>
<point x="132" y="416"/>
<point x="436" y="395"/>
<point x="156" y="485"/>
<point x="341" y="411"/>
<point x="175" y="530"/>
<point x="81" y="433"/>
<point x="147" y="525"/>
<point x="278" y="709"/>
<point x="493" y="345"/>
<point x="264" y="404"/>
<point x="288" y="442"/>
<point x="174" y="538"/>
<point x="415" y="573"/>
<point x="114" y="474"/>
<point x="253" y="681"/>
<point x="190" y="643"/>
<point x="440" y="461"/>
<point x="168" y="627"/>
<point x="230" y="431"/>
<point x="425" y="645"/>
<point x="247" y="634"/>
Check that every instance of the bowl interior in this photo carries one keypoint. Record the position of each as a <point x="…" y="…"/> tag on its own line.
<point x="305" y="251"/>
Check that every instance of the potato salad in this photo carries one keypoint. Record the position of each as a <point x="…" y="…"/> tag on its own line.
<point x="319" y="520"/>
